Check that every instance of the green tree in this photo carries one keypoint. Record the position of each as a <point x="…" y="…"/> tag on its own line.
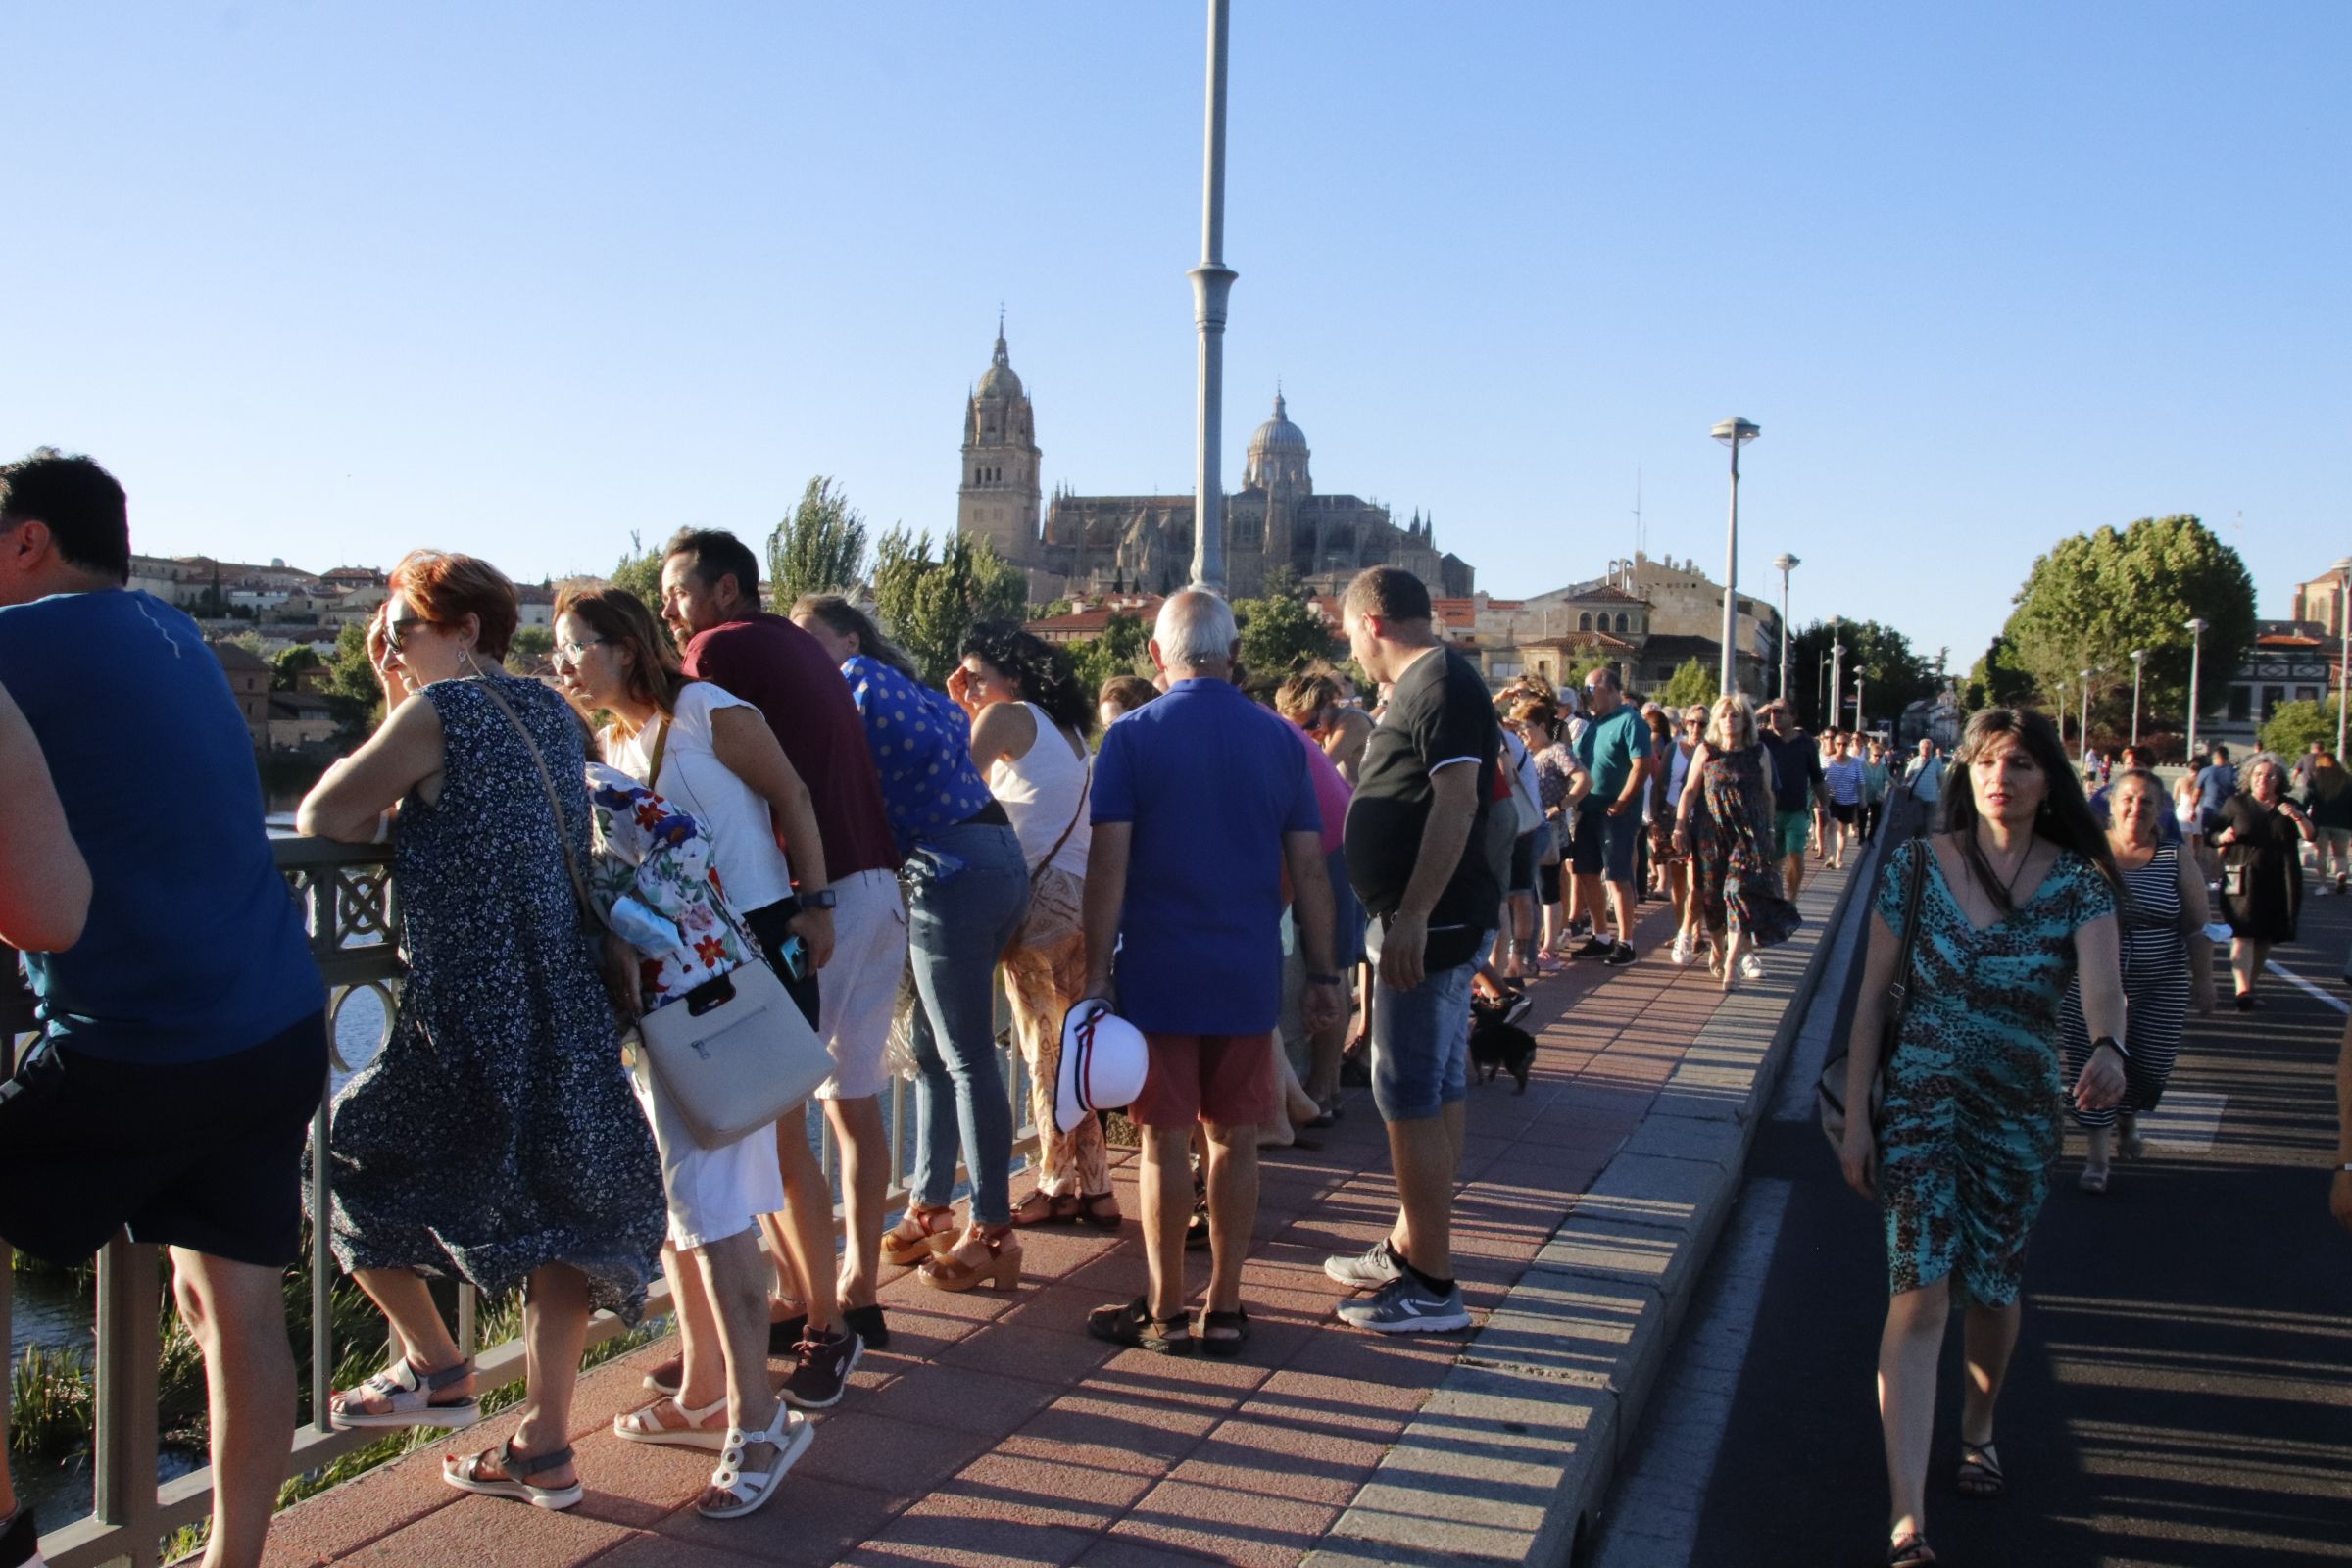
<point x="1691" y="682"/>
<point x="528" y="649"/>
<point x="288" y="665"/>
<point x="2098" y="596"/>
<point x="1122" y="650"/>
<point x="639" y="571"/>
<point x="1996" y="682"/>
<point x="821" y="549"/>
<point x="2294" y="726"/>
<point x="352" y="694"/>
<point x="927" y="605"/>
<point x="1283" y="633"/>
<point x="1892" y="676"/>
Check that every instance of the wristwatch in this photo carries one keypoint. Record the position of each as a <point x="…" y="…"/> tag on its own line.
<point x="822" y="898"/>
<point x="1322" y="979"/>
<point x="2110" y="1040"/>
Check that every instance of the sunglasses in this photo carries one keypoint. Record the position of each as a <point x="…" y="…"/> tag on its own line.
<point x="397" y="634"/>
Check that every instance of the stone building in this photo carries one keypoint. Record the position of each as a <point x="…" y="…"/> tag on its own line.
<point x="1075" y="546"/>
<point x="1645" y="616"/>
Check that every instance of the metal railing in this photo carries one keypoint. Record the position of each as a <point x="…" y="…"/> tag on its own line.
<point x="352" y="918"/>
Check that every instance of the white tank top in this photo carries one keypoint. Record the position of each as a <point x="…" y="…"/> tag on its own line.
<point x="1042" y="790"/>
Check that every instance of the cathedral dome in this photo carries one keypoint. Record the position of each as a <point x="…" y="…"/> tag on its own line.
<point x="998" y="381"/>
<point x="1278" y="436"/>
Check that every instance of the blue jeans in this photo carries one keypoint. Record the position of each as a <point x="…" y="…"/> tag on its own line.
<point x="967" y="892"/>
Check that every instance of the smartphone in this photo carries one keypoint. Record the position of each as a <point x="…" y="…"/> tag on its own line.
<point x="795" y="954"/>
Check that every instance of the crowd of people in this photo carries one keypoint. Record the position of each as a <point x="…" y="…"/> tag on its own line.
<point x="709" y="794"/>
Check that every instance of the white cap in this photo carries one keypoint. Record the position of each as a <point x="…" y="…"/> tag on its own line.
<point x="1102" y="1060"/>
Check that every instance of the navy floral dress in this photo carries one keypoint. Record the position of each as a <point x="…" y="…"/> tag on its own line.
<point x="496" y="1131"/>
<point x="1734" y="876"/>
<point x="1974" y="1093"/>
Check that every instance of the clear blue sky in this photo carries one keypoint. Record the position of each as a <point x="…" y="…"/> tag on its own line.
<point x="327" y="282"/>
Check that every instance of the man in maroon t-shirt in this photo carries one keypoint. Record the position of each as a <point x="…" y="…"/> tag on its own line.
<point x="711" y="598"/>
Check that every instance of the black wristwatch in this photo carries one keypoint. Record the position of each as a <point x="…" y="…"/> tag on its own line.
<point x="1322" y="979"/>
<point x="2111" y="1041"/>
<point x="822" y="898"/>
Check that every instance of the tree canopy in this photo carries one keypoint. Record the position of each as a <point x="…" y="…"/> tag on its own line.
<point x="2098" y="596"/>
<point x="1122" y="650"/>
<point x="1691" y="682"/>
<point x="1893" y="677"/>
<point x="821" y="549"/>
<point x="640" y="572"/>
<point x="2294" y="726"/>
<point x="927" y="605"/>
<point x="1282" y="633"/>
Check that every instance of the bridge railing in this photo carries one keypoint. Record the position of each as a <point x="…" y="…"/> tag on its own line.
<point x="353" y="916"/>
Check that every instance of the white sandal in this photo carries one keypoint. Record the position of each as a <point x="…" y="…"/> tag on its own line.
<point x="643" y="1426"/>
<point x="410" y="1393"/>
<point x="465" y="1474"/>
<point x="791" y="1434"/>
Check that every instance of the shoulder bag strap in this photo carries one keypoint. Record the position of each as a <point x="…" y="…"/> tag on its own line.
<point x="1083" y="788"/>
<point x="652" y="772"/>
<point x="547" y="782"/>
<point x="1900" y="993"/>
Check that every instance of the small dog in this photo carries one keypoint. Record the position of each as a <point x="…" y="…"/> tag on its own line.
<point x="1497" y="1047"/>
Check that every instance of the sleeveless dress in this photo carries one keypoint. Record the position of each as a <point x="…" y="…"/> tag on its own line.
<point x="496" y="1130"/>
<point x="2155" y="986"/>
<point x="1971" y="1127"/>
<point x="1734" y="877"/>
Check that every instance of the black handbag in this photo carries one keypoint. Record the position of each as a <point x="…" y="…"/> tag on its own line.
<point x="1829" y="1093"/>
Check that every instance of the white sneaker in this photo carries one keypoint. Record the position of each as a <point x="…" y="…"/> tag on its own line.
<point x="1680" y="955"/>
<point x="1751" y="968"/>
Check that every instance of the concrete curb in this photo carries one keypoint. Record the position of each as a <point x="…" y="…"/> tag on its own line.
<point x="1510" y="1459"/>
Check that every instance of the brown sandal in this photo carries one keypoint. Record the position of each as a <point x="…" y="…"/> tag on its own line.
<point x="923" y="1232"/>
<point x="998" y="1264"/>
<point x="1041" y="1208"/>
<point x="1101" y="1212"/>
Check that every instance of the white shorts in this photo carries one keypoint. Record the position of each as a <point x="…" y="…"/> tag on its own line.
<point x="711" y="1194"/>
<point x="856" y="993"/>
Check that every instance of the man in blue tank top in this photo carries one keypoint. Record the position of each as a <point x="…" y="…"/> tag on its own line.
<point x="182" y="1036"/>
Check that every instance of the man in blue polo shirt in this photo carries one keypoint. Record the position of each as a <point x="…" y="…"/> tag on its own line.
<point x="1201" y="801"/>
<point x="183" y="1045"/>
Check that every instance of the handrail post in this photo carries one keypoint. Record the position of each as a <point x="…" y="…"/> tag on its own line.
<point x="322" y="1277"/>
<point x="129" y="1283"/>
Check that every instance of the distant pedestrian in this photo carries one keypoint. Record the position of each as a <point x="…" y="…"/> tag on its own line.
<point x="2328" y="801"/>
<point x="1691" y="728"/>
<point x="182" y="1050"/>
<point x="1201" y="803"/>
<point x="2217" y="782"/>
<point x="2168" y="820"/>
<point x="1560" y="783"/>
<point x="1122" y="695"/>
<point x="2168" y="968"/>
<point x="2260" y="837"/>
<point x="1724" y="821"/>
<point x="1311" y="703"/>
<point x="2020" y="897"/>
<point x="1878" y="780"/>
<point x="1847" y="781"/>
<point x="1665" y="860"/>
<point x="1029" y="721"/>
<point x="495" y="1136"/>
<point x="1796" y="788"/>
<point x="1924" y="777"/>
<point x="1418" y="850"/>
<point x="1614" y="749"/>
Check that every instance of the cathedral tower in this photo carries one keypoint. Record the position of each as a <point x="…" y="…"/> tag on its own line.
<point x="999" y="494"/>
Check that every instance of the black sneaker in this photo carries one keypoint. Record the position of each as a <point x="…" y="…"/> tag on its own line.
<point x="1597" y="947"/>
<point x="20" y="1539"/>
<point x="1581" y="926"/>
<point x="821" y="1374"/>
<point x="1621" y="957"/>
<point x="784" y="1338"/>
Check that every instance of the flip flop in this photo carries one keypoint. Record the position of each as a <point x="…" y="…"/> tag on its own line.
<point x="1980" y="1475"/>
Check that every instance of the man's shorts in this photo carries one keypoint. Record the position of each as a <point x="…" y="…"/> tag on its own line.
<point x="1421" y="1043"/>
<point x="856" y="993"/>
<point x="1796" y="830"/>
<point x="1523" y="862"/>
<point x="205" y="1155"/>
<point x="1224" y="1080"/>
<point x="1603" y="846"/>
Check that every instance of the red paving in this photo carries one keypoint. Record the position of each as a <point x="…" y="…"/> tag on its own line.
<point x="993" y="1431"/>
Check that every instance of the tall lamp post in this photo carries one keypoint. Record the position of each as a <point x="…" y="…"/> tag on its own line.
<point x="1734" y="433"/>
<point x="1785" y="562"/>
<point x="2344" y="667"/>
<point x="2084" y="737"/>
<point x="1858" y="702"/>
<point x="2196" y="654"/>
<point x="1837" y="672"/>
<point x="2139" y="656"/>
<point x="1212" y="284"/>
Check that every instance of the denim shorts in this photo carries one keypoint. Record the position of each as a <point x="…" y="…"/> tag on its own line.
<point x="1421" y="1043"/>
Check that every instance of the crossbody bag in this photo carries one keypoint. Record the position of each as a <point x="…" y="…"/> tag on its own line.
<point x="1829" y="1093"/>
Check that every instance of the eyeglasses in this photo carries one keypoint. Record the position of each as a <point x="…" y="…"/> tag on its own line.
<point x="571" y="652"/>
<point x="396" y="635"/>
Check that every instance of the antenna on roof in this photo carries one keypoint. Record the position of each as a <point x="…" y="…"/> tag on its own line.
<point x="1636" y="510"/>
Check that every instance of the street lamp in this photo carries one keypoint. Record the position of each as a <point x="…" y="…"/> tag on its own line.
<point x="2196" y="653"/>
<point x="1213" y="285"/>
<point x="1734" y="433"/>
<point x="2084" y="737"/>
<point x="2139" y="656"/>
<point x="1837" y="670"/>
<point x="2344" y="667"/>
<point x="1785" y="562"/>
<point x="1858" y="704"/>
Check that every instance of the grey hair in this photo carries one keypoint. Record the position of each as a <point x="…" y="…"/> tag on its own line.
<point x="2255" y="764"/>
<point x="1196" y="628"/>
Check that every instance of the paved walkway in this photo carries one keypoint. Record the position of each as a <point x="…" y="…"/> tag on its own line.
<point x="993" y="1431"/>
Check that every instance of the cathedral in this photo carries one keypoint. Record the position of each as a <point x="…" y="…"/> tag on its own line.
<point x="1086" y="545"/>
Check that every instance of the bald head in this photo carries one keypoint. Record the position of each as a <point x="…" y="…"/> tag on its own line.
<point x="1195" y="635"/>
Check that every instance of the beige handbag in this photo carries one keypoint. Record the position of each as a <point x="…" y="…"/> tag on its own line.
<point x="733" y="1054"/>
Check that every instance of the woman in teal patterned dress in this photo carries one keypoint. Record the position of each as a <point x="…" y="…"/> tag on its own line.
<point x="2019" y="899"/>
